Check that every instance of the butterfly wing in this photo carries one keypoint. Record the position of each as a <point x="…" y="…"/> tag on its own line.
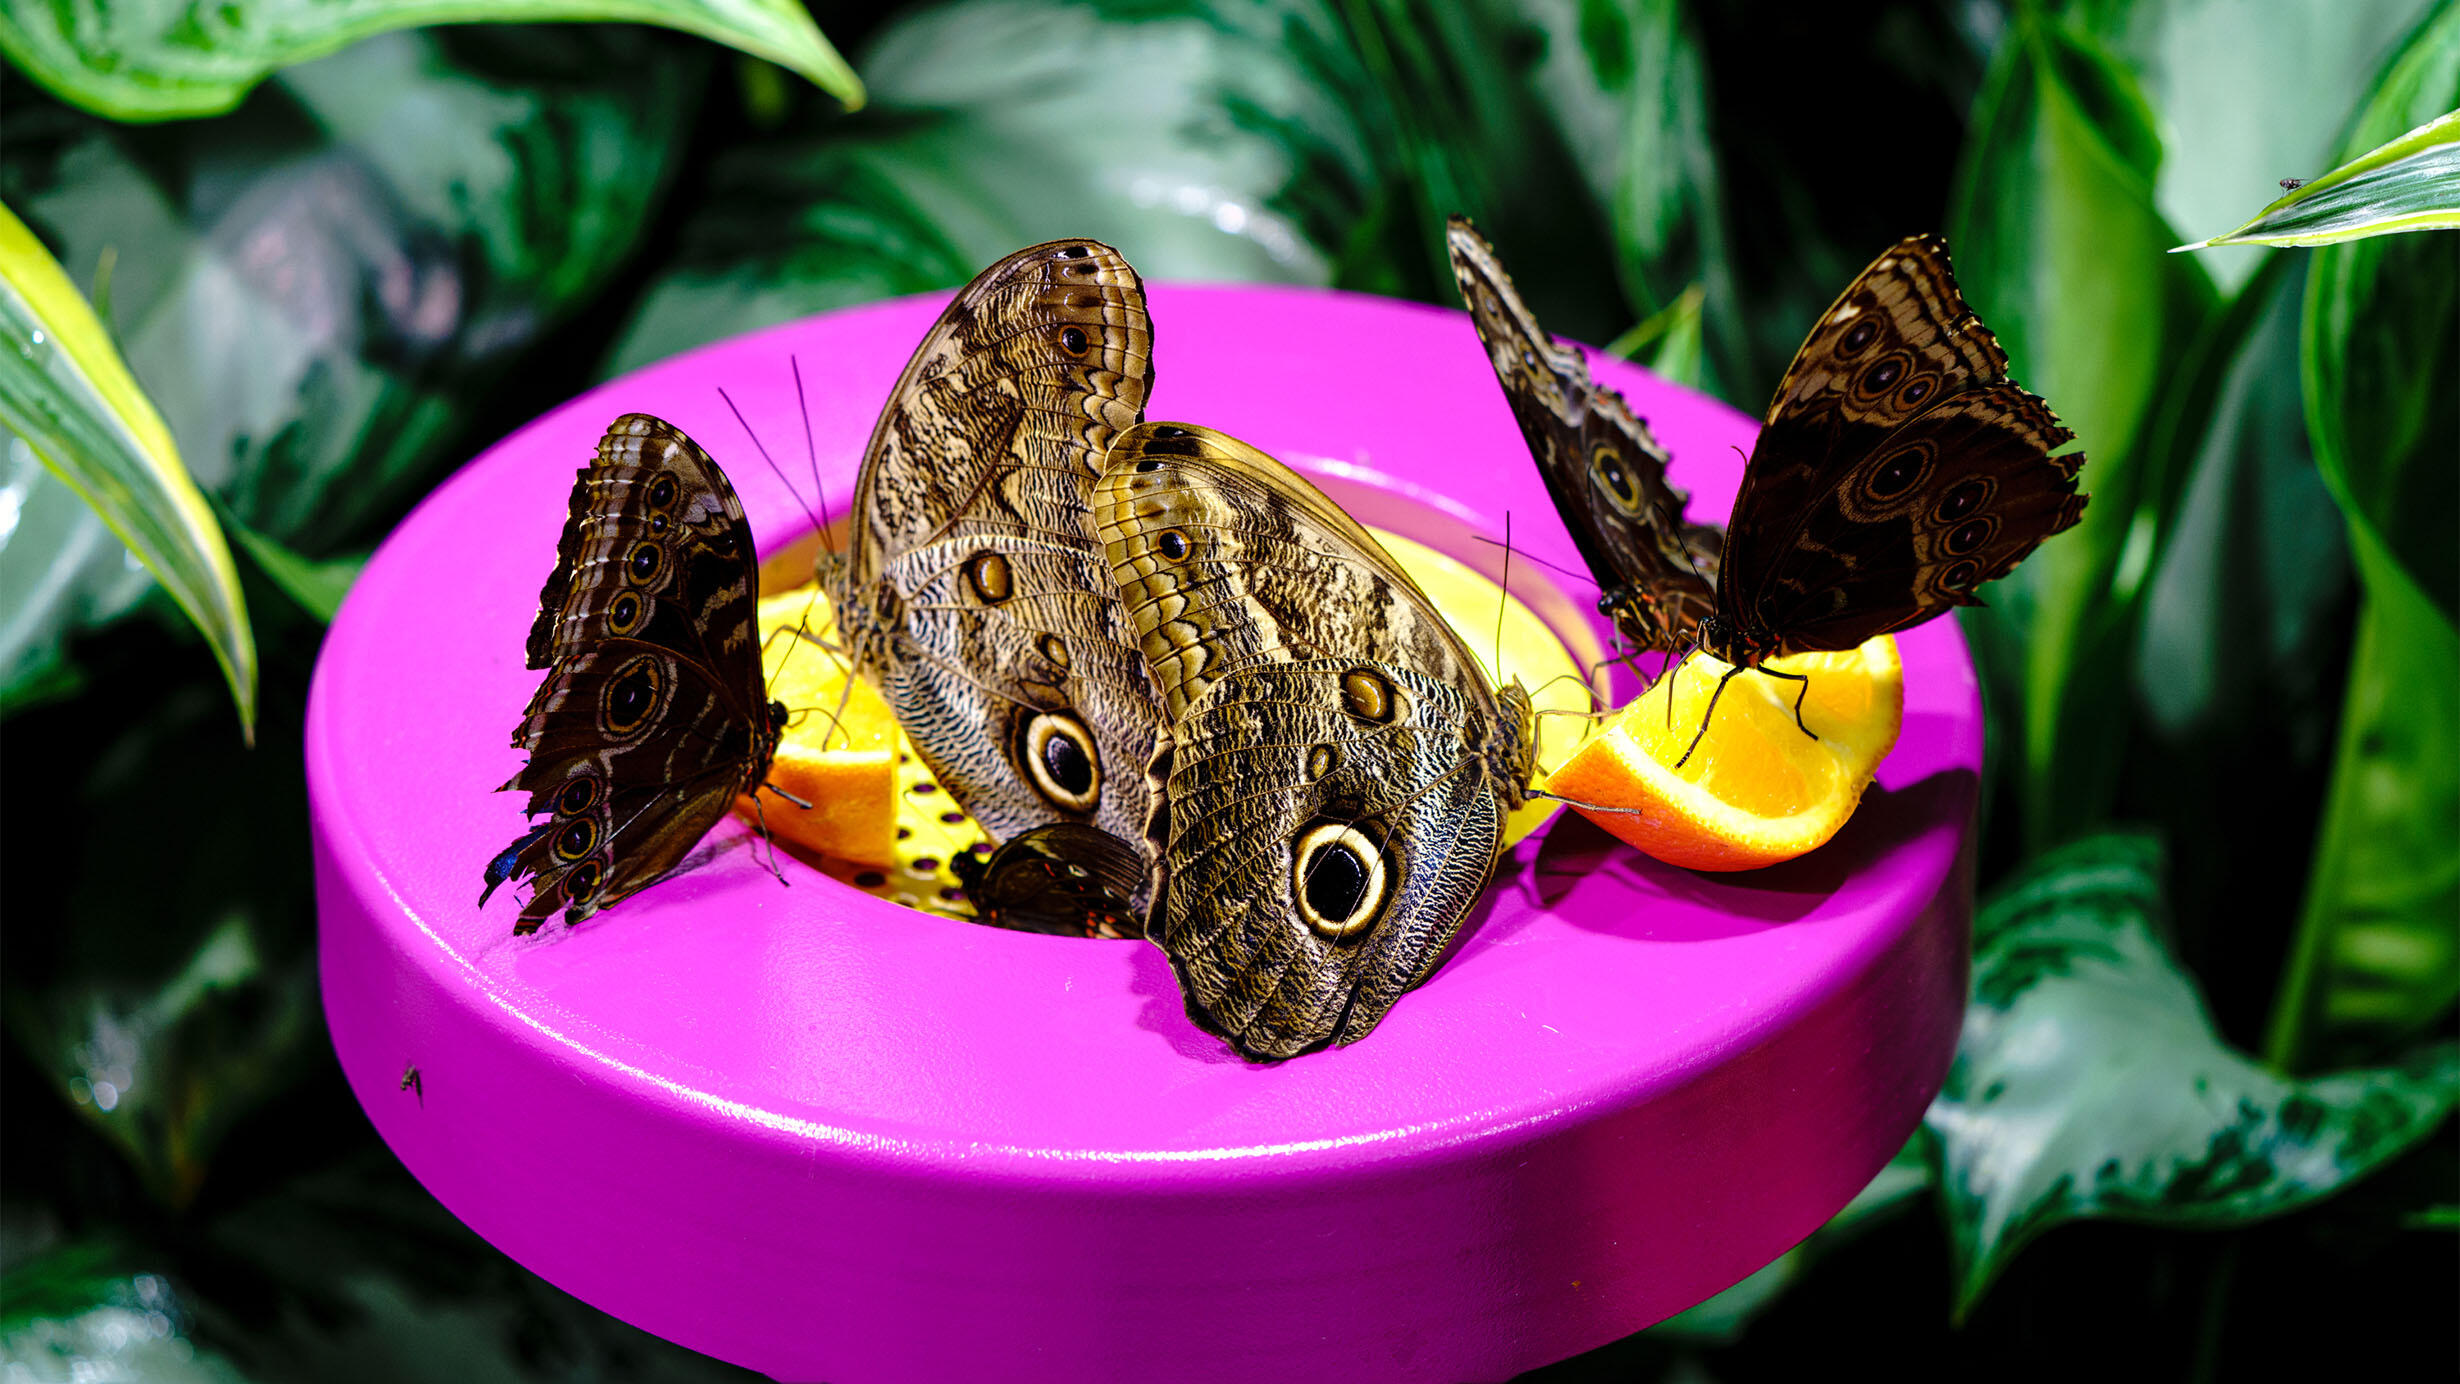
<point x="1603" y="467"/>
<point x="1337" y="769"/>
<point x="652" y="716"/>
<point x="976" y="596"/>
<point x="1897" y="404"/>
<point x="1065" y="878"/>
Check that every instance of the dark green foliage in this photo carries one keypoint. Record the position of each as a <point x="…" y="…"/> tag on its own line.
<point x="2192" y="1127"/>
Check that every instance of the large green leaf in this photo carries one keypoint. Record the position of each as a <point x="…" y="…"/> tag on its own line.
<point x="2375" y="958"/>
<point x="2409" y="184"/>
<point x="67" y="394"/>
<point x="2060" y="249"/>
<point x="319" y="305"/>
<point x="2248" y="92"/>
<point x="164" y="59"/>
<point x="2089" y="1082"/>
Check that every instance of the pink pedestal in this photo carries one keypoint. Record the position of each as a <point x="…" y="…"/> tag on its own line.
<point x="828" y="1138"/>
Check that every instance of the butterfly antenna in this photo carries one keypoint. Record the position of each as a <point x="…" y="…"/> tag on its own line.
<point x="1503" y="596"/>
<point x="811" y="450"/>
<point x="1704" y="716"/>
<point x="1557" y="568"/>
<point x="774" y="469"/>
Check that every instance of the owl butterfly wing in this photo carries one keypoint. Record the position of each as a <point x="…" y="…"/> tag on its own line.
<point x="1952" y="499"/>
<point x="1066" y="878"/>
<point x="652" y="716"/>
<point x="995" y="631"/>
<point x="1337" y="771"/>
<point x="1605" y="470"/>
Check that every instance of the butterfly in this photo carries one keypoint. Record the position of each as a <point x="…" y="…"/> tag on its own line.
<point x="1335" y="768"/>
<point x="1898" y="468"/>
<point x="653" y="715"/>
<point x="972" y="591"/>
<point x="1605" y="470"/>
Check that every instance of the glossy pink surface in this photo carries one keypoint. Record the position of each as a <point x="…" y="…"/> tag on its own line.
<point x="828" y="1138"/>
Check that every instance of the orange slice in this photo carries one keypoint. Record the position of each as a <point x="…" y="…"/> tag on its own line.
<point x="1757" y="790"/>
<point x="839" y="751"/>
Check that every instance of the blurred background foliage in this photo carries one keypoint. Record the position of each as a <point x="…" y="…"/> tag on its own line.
<point x="2199" y="1119"/>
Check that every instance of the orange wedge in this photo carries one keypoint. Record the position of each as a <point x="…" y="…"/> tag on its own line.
<point x="839" y="752"/>
<point x="1757" y="790"/>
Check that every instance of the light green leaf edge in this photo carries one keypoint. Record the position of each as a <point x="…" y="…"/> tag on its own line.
<point x="65" y="390"/>
<point x="166" y="75"/>
<point x="2383" y="1111"/>
<point x="2409" y="184"/>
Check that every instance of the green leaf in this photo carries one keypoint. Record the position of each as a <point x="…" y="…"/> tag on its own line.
<point x="164" y="59"/>
<point x="2089" y="1081"/>
<point x="318" y="587"/>
<point x="318" y="391"/>
<point x="2058" y="246"/>
<point x="67" y="394"/>
<point x="2375" y="960"/>
<point x="2248" y="92"/>
<point x="2409" y="184"/>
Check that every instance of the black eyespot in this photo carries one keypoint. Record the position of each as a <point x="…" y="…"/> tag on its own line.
<point x="1621" y="489"/>
<point x="578" y="796"/>
<point x="581" y="882"/>
<point x="1072" y="341"/>
<point x="1336" y="882"/>
<point x="1171" y="430"/>
<point x="1915" y="393"/>
<point x="1059" y="754"/>
<point x="641" y="564"/>
<point x="1885" y="374"/>
<point x="1341" y="877"/>
<point x="659" y="524"/>
<point x="1074" y="252"/>
<point x="1858" y="336"/>
<point x="631" y="695"/>
<point x="624" y="613"/>
<point x="1960" y="577"/>
<point x="578" y="839"/>
<point x="1899" y="473"/>
<point x="1964" y="499"/>
<point x="1173" y="544"/>
<point x="1970" y="536"/>
<point x="662" y="491"/>
<point x="1147" y="465"/>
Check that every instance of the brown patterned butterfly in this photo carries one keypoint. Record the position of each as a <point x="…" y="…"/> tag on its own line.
<point x="1331" y="790"/>
<point x="1898" y="468"/>
<point x="973" y="592"/>
<point x="1604" y="468"/>
<point x="653" y="715"/>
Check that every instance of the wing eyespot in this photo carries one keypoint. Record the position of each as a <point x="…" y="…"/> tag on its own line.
<point x="578" y="838"/>
<point x="1903" y="470"/>
<point x="988" y="575"/>
<point x="663" y="490"/>
<point x="577" y="797"/>
<point x="1173" y="544"/>
<point x="1342" y="879"/>
<point x="624" y="613"/>
<point x="631" y="695"/>
<point x="1858" y="337"/>
<point x="1961" y="577"/>
<point x="1968" y="496"/>
<point x="641" y="564"/>
<point x="1972" y="534"/>
<point x="1074" y="341"/>
<point x="1615" y="480"/>
<point x="1060" y="757"/>
<point x="1370" y="696"/>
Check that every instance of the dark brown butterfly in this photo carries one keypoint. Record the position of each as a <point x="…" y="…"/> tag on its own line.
<point x="1604" y="468"/>
<point x="1898" y="469"/>
<point x="653" y="715"/>
<point x="1065" y="878"/>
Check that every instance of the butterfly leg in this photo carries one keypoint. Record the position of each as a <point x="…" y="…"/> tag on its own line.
<point x="1712" y="710"/>
<point x="763" y="814"/>
<point x="1805" y="680"/>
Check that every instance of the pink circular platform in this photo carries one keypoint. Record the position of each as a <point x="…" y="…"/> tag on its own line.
<point x="828" y="1138"/>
